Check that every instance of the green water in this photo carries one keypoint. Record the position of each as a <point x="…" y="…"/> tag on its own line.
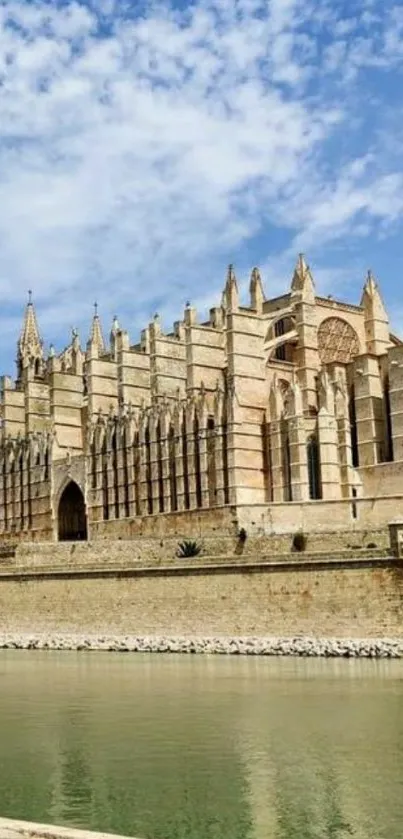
<point x="176" y="747"/>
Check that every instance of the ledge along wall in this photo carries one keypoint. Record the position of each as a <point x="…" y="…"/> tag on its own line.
<point x="327" y="598"/>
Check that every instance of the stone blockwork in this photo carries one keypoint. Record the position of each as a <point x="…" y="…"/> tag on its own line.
<point x="282" y="414"/>
<point x="345" y="598"/>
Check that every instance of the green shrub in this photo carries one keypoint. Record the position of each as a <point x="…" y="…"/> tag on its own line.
<point x="299" y="542"/>
<point x="188" y="548"/>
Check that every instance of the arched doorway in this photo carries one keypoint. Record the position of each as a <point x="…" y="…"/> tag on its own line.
<point x="72" y="516"/>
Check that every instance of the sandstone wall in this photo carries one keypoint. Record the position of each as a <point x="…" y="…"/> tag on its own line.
<point x="345" y="599"/>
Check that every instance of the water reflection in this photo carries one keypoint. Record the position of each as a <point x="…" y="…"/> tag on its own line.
<point x="203" y="748"/>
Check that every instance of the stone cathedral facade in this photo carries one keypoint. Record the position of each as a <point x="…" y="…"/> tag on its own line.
<point x="296" y="399"/>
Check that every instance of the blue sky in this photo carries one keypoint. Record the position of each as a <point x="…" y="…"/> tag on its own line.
<point x="144" y="146"/>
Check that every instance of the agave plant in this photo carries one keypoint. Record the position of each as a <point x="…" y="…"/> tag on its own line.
<point x="188" y="548"/>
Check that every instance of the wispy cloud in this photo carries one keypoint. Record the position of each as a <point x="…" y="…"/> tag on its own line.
<point x="141" y="151"/>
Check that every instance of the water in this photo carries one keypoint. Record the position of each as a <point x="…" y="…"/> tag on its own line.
<point x="176" y="747"/>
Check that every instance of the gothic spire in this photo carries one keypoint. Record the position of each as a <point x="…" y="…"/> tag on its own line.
<point x="30" y="348"/>
<point x="302" y="280"/>
<point x="256" y="290"/>
<point x="96" y="338"/>
<point x="371" y="296"/>
<point x="375" y="317"/>
<point x="231" y="293"/>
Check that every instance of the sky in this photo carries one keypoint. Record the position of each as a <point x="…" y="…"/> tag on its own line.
<point x="146" y="145"/>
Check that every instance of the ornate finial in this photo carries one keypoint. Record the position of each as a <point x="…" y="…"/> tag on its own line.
<point x="29" y="296"/>
<point x="96" y="309"/>
<point x="156" y="316"/>
<point x="188" y="304"/>
<point x="51" y="351"/>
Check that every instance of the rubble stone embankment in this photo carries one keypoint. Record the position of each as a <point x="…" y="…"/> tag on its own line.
<point x="301" y="646"/>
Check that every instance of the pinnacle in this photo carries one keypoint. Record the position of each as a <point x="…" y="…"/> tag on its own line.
<point x="302" y="279"/>
<point x="96" y="337"/>
<point x="30" y="341"/>
<point x="301" y="267"/>
<point x="231" y="278"/>
<point x="371" y="285"/>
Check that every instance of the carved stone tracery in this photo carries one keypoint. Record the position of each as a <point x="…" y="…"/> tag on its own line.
<point x="337" y="341"/>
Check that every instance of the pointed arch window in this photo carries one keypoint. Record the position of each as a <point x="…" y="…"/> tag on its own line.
<point x="314" y="477"/>
<point x="353" y="427"/>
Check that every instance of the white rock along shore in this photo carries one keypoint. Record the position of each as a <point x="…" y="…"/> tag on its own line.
<point x="270" y="646"/>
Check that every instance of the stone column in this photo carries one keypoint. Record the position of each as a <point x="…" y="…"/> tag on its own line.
<point x="130" y="467"/>
<point x="111" y="476"/>
<point x="344" y="437"/>
<point x="298" y="448"/>
<point x="329" y="462"/>
<point x="10" y="493"/>
<point x="2" y="498"/>
<point x="277" y="473"/>
<point x="30" y="463"/>
<point x="191" y="453"/>
<point x="122" y="489"/>
<point x="298" y="459"/>
<point x="96" y="493"/>
<point x="180" y="485"/>
<point x="204" y="466"/>
<point x="395" y="357"/>
<point x="276" y="410"/>
<point x="25" y="478"/>
<point x="154" y="460"/>
<point x="369" y="410"/>
<point x="166" y="483"/>
<point x="143" y="466"/>
<point x="219" y="420"/>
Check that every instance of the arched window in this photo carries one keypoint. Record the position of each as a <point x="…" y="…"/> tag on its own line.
<point x="148" y="471"/>
<point x="159" y="468"/>
<point x="126" y="456"/>
<point x="21" y="481"/>
<point x="105" y="498"/>
<point x="225" y="461"/>
<point x="388" y="421"/>
<point x="211" y="470"/>
<point x="185" y="465"/>
<point x="137" y="472"/>
<point x="313" y="456"/>
<point x="353" y="427"/>
<point x="279" y="330"/>
<point x="172" y="468"/>
<point x="287" y="468"/>
<point x="196" y="429"/>
<point x="267" y="461"/>
<point x="115" y="472"/>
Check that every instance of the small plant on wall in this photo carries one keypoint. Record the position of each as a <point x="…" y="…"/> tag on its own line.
<point x="188" y="548"/>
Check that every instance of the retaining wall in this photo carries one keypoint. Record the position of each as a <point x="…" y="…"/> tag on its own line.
<point x="344" y="598"/>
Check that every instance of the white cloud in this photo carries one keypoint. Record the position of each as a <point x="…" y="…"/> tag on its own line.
<point x="137" y="154"/>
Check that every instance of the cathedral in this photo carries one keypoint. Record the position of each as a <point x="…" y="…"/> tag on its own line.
<point x="295" y="400"/>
